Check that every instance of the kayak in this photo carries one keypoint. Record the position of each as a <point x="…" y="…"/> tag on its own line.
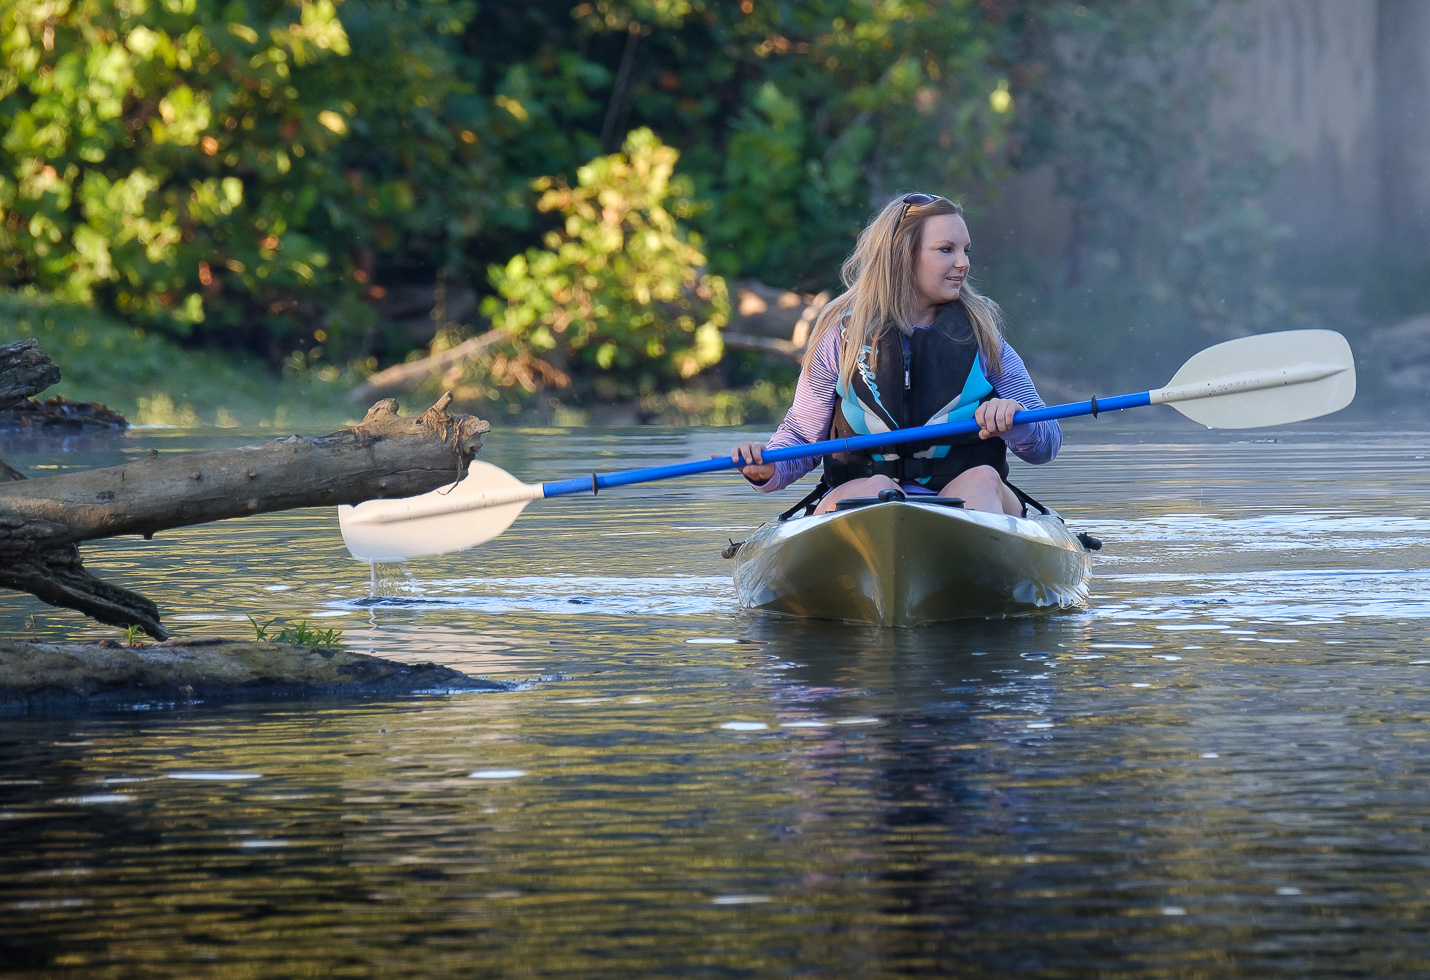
<point x="911" y="562"/>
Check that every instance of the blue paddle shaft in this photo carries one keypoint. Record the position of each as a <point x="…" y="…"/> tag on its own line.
<point x="926" y="433"/>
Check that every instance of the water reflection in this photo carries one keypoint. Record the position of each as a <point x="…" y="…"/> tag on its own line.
<point x="1218" y="769"/>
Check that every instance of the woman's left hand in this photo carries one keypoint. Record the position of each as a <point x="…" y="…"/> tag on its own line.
<point x="995" y="416"/>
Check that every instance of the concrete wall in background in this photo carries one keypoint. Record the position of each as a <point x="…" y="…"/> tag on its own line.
<point x="1306" y="82"/>
<point x="1403" y="93"/>
<point x="1341" y="88"/>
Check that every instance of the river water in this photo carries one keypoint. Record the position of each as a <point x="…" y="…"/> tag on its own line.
<point x="1219" y="768"/>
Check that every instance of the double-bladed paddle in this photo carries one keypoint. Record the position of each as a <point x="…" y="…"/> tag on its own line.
<point x="1253" y="382"/>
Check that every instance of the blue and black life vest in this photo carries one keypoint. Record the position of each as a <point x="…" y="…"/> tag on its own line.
<point x="936" y="377"/>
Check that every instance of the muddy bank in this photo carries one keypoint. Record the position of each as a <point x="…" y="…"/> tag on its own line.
<point x="43" y="677"/>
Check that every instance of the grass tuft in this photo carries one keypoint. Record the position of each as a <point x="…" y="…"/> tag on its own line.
<point x="296" y="633"/>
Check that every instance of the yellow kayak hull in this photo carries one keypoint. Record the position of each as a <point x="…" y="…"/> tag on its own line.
<point x="906" y="563"/>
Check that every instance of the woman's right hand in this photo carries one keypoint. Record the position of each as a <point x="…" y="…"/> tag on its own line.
<point x="756" y="470"/>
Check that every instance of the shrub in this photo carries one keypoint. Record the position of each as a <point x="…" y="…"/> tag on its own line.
<point x="618" y="294"/>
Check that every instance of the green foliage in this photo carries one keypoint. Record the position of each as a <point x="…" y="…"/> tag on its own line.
<point x="260" y="172"/>
<point x="794" y="116"/>
<point x="226" y="166"/>
<point x="618" y="294"/>
<point x="152" y="381"/>
<point x="848" y="101"/>
<point x="252" y="170"/>
<point x="298" y="634"/>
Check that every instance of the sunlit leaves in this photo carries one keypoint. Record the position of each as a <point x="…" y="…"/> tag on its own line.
<point x="620" y="287"/>
<point x="188" y="162"/>
<point x="258" y="171"/>
<point x="844" y="103"/>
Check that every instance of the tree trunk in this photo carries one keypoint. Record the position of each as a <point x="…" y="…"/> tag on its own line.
<point x="772" y="320"/>
<point x="42" y="521"/>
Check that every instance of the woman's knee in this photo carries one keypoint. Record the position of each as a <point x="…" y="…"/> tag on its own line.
<point x="985" y="475"/>
<point x="867" y="486"/>
<point x="980" y="477"/>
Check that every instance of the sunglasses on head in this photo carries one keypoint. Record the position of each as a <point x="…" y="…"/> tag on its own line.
<point x="913" y="201"/>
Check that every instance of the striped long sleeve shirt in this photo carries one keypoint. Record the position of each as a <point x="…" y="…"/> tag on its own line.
<point x="809" y="418"/>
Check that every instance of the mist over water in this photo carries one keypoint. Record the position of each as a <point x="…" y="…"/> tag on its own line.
<point x="1218" y="768"/>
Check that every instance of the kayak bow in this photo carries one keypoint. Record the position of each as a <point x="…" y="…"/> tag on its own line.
<point x="912" y="562"/>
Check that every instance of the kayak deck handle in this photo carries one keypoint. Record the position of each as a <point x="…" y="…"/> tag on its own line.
<point x="885" y="496"/>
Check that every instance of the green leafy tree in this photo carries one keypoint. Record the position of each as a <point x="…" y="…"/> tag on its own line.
<point x="796" y="118"/>
<point x="259" y="172"/>
<point x="619" y="294"/>
<point x="238" y="168"/>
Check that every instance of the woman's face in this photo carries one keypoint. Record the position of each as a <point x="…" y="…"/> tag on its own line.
<point x="942" y="262"/>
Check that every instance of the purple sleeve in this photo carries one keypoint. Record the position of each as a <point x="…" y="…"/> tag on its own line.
<point x="1033" y="442"/>
<point x="809" y="417"/>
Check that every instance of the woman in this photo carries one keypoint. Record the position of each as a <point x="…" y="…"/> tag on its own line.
<point x="910" y="343"/>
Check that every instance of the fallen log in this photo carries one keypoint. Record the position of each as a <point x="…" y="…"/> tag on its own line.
<point x="46" y="677"/>
<point x="767" y="319"/>
<point x="43" y="520"/>
<point x="387" y="455"/>
<point x="768" y="313"/>
<point x="765" y="345"/>
<point x="400" y="377"/>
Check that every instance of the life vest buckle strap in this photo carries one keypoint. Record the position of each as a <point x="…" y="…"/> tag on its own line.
<point x="903" y="469"/>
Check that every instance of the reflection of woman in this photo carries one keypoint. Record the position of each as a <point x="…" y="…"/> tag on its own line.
<point x="910" y="343"/>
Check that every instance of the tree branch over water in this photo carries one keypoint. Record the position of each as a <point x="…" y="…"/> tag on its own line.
<point x="42" y="520"/>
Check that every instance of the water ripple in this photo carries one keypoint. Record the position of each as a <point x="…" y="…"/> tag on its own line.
<point x="557" y="594"/>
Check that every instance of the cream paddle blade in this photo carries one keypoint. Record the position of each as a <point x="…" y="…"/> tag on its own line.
<point x="474" y="511"/>
<point x="1267" y="379"/>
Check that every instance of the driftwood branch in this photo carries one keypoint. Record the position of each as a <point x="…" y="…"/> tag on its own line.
<point x="402" y="377"/>
<point x="42" y="520"/>
<point x="385" y="456"/>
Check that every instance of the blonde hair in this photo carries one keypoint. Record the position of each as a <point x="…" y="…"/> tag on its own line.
<point x="880" y="292"/>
